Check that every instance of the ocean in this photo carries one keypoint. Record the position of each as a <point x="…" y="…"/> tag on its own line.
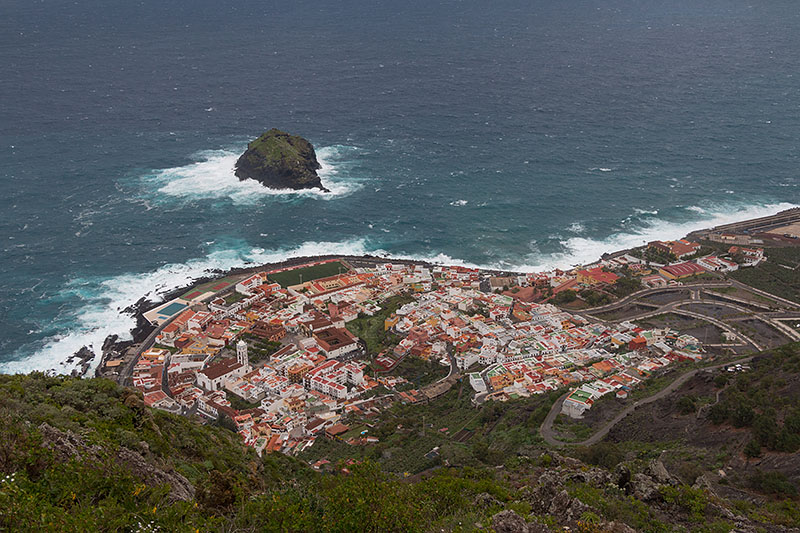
<point x="514" y="134"/>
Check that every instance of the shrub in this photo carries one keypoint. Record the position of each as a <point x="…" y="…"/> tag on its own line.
<point x="603" y="454"/>
<point x="687" y="404"/>
<point x="752" y="449"/>
<point x="775" y="483"/>
<point x="565" y="297"/>
<point x="691" y="500"/>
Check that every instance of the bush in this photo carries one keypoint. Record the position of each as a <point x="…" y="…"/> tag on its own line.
<point x="626" y="285"/>
<point x="595" y="298"/>
<point x="718" y="413"/>
<point x="217" y="493"/>
<point x="766" y="431"/>
<point x="691" y="500"/>
<point x="752" y="449"/>
<point x="603" y="454"/>
<point x="687" y="404"/>
<point x="742" y="415"/>
<point x="775" y="483"/>
<point x="565" y="297"/>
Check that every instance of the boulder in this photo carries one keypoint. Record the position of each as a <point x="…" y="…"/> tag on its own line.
<point x="657" y="471"/>
<point x="509" y="522"/>
<point x="621" y="476"/>
<point x="484" y="500"/>
<point x="559" y="505"/>
<point x="642" y="487"/>
<point x="541" y="496"/>
<point x="563" y="460"/>
<point x="593" y="476"/>
<point x="565" y="508"/>
<point x="616" y="527"/>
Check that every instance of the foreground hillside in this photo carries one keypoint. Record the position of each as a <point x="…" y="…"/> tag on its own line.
<point x="86" y="455"/>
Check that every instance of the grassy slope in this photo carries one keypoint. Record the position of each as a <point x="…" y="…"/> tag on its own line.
<point x="237" y="491"/>
<point x="776" y="275"/>
<point x="95" y="491"/>
<point x="275" y="145"/>
<point x="753" y="433"/>
<point x="501" y="431"/>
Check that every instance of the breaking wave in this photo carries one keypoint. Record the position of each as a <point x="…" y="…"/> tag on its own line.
<point x="102" y="301"/>
<point x="585" y="250"/>
<point x="212" y="177"/>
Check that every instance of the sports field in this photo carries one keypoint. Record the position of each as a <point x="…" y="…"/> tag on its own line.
<point x="211" y="286"/>
<point x="303" y="274"/>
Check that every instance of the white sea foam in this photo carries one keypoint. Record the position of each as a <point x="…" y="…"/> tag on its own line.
<point x="212" y="177"/>
<point x="581" y="250"/>
<point x="576" y="227"/>
<point x="104" y="300"/>
<point x="459" y="203"/>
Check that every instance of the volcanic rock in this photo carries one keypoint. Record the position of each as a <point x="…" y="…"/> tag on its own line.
<point x="279" y="160"/>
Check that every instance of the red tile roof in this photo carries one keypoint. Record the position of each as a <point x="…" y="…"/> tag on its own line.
<point x="683" y="269"/>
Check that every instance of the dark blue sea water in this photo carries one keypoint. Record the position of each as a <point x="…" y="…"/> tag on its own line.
<point x="518" y="133"/>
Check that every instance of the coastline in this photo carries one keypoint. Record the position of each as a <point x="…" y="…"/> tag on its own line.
<point x="112" y="347"/>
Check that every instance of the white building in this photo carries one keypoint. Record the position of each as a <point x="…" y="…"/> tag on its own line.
<point x="477" y="383"/>
<point x="241" y="353"/>
<point x="717" y="264"/>
<point x="214" y="377"/>
<point x="466" y="360"/>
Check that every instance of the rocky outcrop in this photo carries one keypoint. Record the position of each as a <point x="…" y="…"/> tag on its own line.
<point x="67" y="445"/>
<point x="657" y="471"/>
<point x="279" y="160"/>
<point x="84" y="356"/>
<point x="509" y="522"/>
<point x="485" y="500"/>
<point x="644" y="488"/>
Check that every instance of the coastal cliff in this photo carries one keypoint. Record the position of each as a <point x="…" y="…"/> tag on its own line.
<point x="279" y="160"/>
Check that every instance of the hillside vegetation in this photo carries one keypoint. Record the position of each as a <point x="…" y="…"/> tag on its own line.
<point x="779" y="274"/>
<point x="87" y="455"/>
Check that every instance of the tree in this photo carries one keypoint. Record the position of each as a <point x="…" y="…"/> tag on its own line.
<point x="752" y="449"/>
<point x="565" y="297"/>
<point x="766" y="430"/>
<point x="718" y="413"/>
<point x="742" y="415"/>
<point x="626" y="285"/>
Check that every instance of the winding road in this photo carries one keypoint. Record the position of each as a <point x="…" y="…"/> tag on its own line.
<point x="548" y="434"/>
<point x="695" y="296"/>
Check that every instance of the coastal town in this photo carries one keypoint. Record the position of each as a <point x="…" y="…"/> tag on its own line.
<point x="276" y="354"/>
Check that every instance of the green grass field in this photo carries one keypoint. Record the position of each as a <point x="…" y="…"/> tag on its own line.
<point x="294" y="277"/>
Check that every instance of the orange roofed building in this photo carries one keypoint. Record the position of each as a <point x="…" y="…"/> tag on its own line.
<point x="680" y="248"/>
<point x="596" y="276"/>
